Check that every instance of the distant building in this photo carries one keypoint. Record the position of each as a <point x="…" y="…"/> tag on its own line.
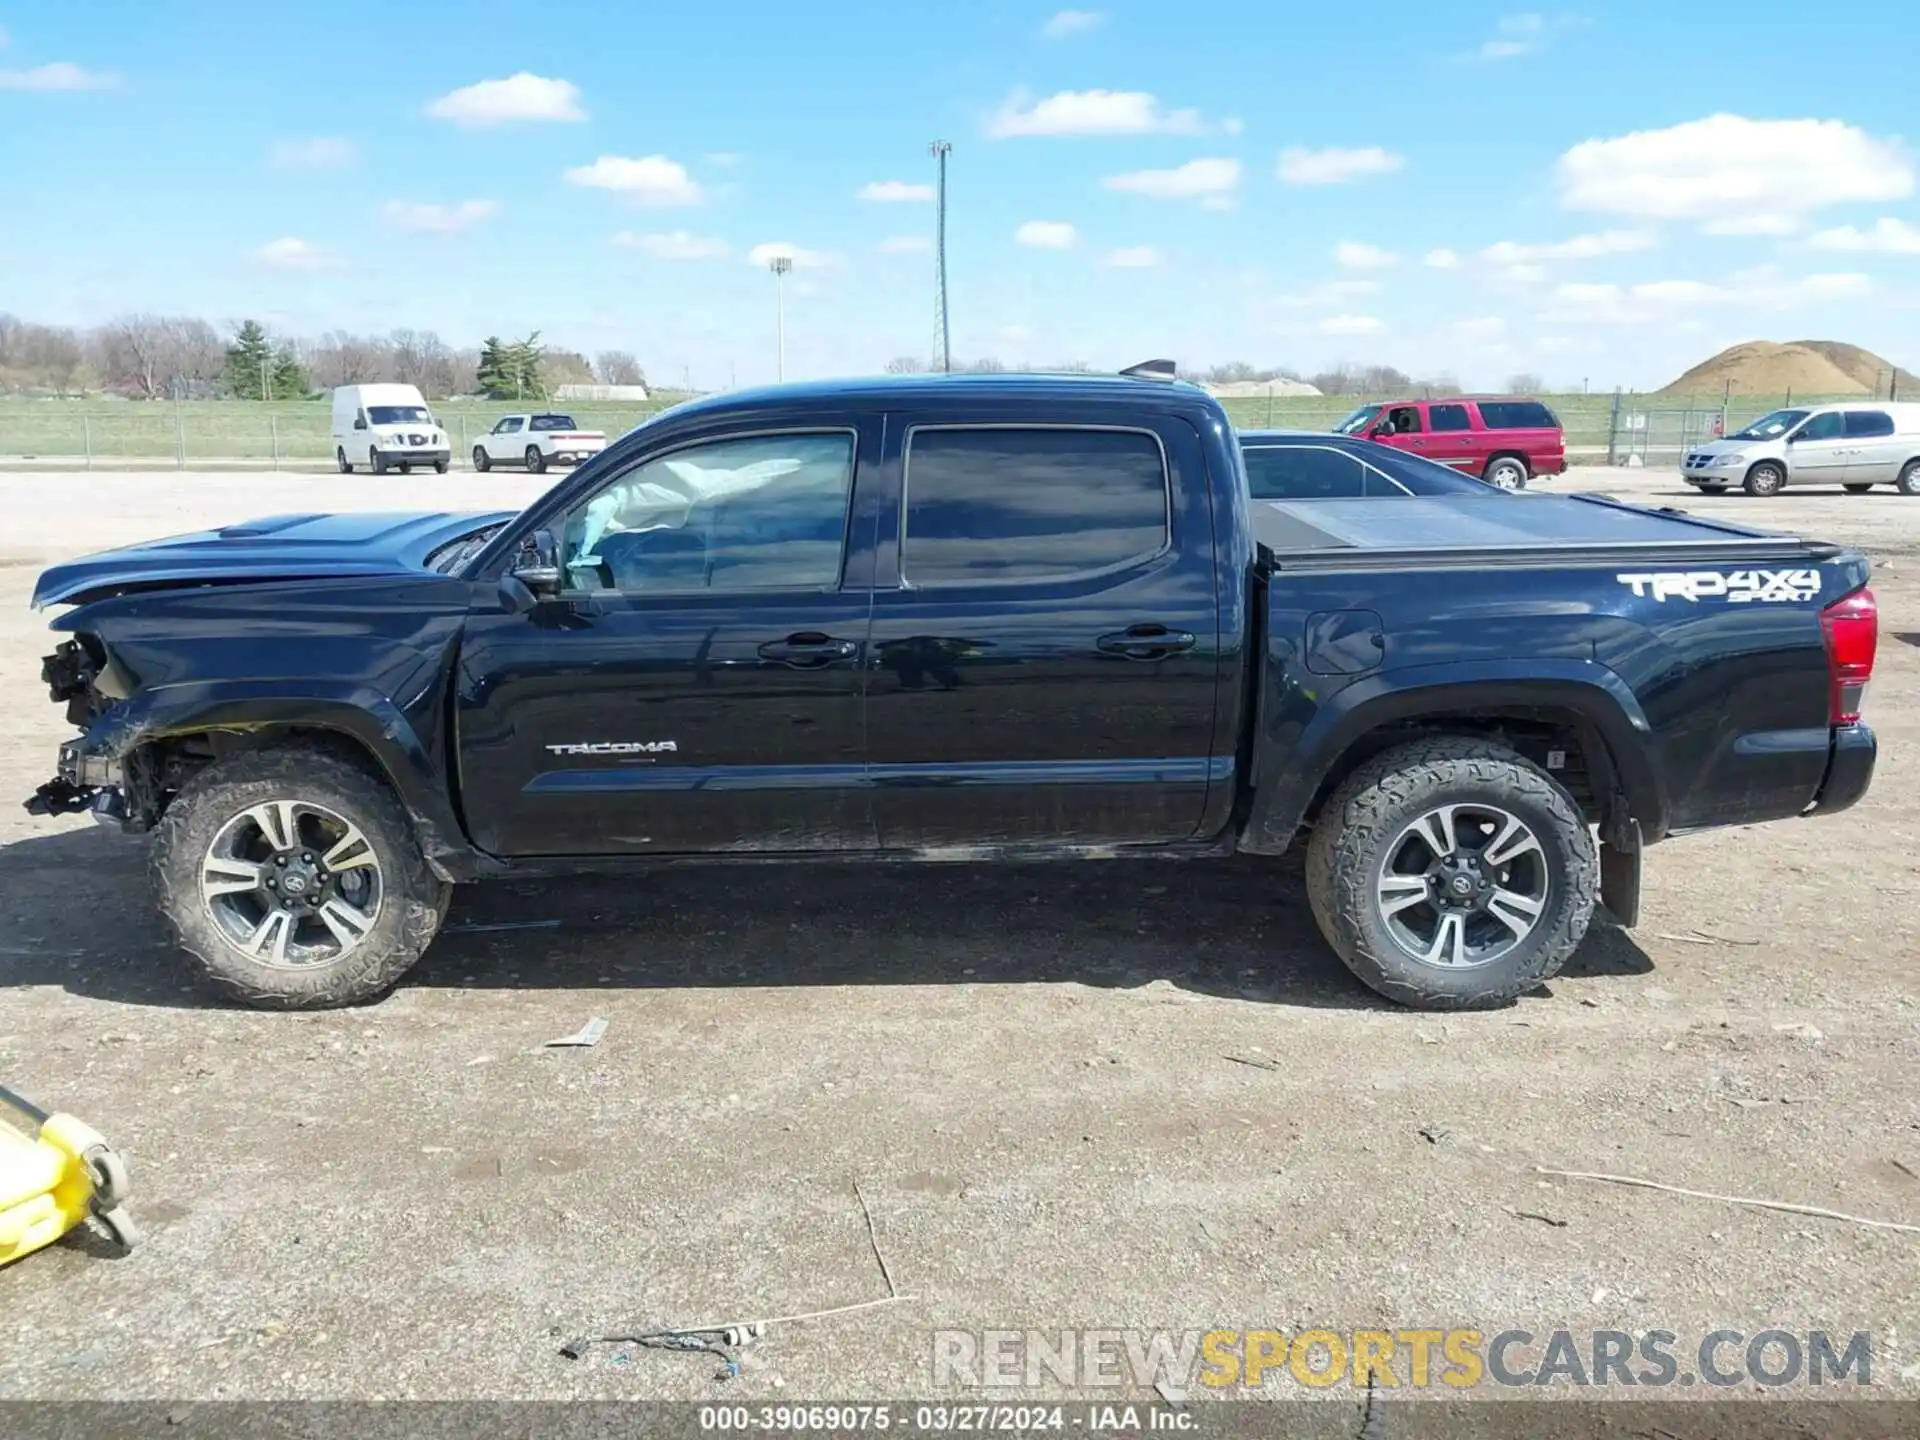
<point x="601" y="392"/>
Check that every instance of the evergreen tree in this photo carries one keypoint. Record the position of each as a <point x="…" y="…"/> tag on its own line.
<point x="525" y="362"/>
<point x="494" y="376"/>
<point x="250" y="360"/>
<point x="289" y="379"/>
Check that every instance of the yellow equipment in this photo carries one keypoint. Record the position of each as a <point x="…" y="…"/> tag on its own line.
<point x="54" y="1172"/>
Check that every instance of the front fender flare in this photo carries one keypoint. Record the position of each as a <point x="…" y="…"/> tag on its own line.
<point x="1297" y="755"/>
<point x="416" y="771"/>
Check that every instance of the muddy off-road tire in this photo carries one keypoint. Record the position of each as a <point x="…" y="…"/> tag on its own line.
<point x="332" y="856"/>
<point x="1416" y="821"/>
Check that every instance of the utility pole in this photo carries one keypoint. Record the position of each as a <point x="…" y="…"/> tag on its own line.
<point x="782" y="266"/>
<point x="943" y="353"/>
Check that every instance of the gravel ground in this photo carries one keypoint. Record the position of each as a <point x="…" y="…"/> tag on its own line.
<point x="1025" y="1069"/>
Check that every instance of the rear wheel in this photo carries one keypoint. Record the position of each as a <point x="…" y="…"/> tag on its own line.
<point x="1909" y="481"/>
<point x="1507" y="472"/>
<point x="1857" y="489"/>
<point x="481" y="460"/>
<point x="293" y="879"/>
<point x="340" y="459"/>
<point x="536" y="459"/>
<point x="1452" y="874"/>
<point x="1766" y="478"/>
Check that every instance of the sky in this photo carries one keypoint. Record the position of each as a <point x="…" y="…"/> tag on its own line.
<point x="1600" y="197"/>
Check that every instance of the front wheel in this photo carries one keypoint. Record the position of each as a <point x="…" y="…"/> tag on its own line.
<point x="440" y="467"/>
<point x="481" y="460"/>
<point x="1765" y="479"/>
<point x="1507" y="473"/>
<point x="1452" y="874"/>
<point x="536" y="459"/>
<point x="376" y="462"/>
<point x="292" y="878"/>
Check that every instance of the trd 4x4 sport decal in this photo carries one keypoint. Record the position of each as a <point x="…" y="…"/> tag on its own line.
<point x="1736" y="588"/>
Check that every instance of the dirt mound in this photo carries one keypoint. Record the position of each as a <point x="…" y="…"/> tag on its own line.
<point x="1804" y="367"/>
<point x="1867" y="368"/>
<point x="1245" y="389"/>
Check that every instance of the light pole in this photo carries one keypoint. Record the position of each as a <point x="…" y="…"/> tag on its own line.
<point x="940" y="149"/>
<point x="781" y="265"/>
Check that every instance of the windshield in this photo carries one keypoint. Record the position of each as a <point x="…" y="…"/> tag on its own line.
<point x="399" y="415"/>
<point x="1771" y="427"/>
<point x="1357" y="421"/>
<point x="551" y="422"/>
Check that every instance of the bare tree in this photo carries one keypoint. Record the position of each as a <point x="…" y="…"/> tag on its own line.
<point x="618" y="367"/>
<point x="1525" y="384"/>
<point x="906" y="365"/>
<point x="564" y="367"/>
<point x="41" y="357"/>
<point x="153" y="356"/>
<point x="338" y="358"/>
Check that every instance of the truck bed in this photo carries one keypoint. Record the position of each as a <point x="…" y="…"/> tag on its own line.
<point x="1471" y="530"/>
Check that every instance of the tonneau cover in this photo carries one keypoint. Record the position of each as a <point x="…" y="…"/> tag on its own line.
<point x="1477" y="524"/>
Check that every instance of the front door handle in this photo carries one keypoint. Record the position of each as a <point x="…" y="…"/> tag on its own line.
<point x="808" y="650"/>
<point x="1145" y="642"/>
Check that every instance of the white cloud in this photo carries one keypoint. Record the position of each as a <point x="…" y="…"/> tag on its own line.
<point x="1091" y="112"/>
<point x="291" y="253"/>
<point x="1133" y="257"/>
<point x="1442" y="259"/>
<point x="764" y="254"/>
<point x="1580" y="247"/>
<point x="428" y="219"/>
<point x="1195" y="179"/>
<point x="1351" y="325"/>
<point x="1761" y="288"/>
<point x="1514" y="36"/>
<point x="1328" y="292"/>
<point x="1067" y="23"/>
<point x="1888" y="236"/>
<point x="323" y="152"/>
<point x="1334" y="166"/>
<point x="59" y="75"/>
<point x="673" y="244"/>
<point x="904" y="245"/>
<point x="723" y="159"/>
<point x="894" y="192"/>
<point x="647" y="180"/>
<point x="1481" y="329"/>
<point x="1737" y="176"/>
<point x="521" y="96"/>
<point x="1046" y="235"/>
<point x="1355" y="255"/>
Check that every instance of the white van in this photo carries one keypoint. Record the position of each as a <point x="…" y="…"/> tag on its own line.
<point x="386" y="427"/>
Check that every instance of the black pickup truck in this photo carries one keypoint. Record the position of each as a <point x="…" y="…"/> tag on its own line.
<point x="952" y="618"/>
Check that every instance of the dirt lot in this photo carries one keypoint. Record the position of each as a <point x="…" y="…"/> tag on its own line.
<point x="1025" y="1069"/>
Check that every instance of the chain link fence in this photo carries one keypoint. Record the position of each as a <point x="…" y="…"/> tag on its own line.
<point x="1609" y="429"/>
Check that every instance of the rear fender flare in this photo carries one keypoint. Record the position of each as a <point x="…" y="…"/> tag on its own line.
<point x="1297" y="764"/>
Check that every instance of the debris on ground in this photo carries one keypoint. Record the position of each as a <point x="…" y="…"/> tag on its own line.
<point x="1434" y="1134"/>
<point x="491" y="926"/>
<point x="585" y="1038"/>
<point x="1255" y="1062"/>
<point x="1784" y="1206"/>
<point x="1537" y="1215"/>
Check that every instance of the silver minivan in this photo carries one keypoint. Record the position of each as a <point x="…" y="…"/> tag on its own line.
<point x="1859" y="444"/>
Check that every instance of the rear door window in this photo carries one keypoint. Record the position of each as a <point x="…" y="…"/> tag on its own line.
<point x="995" y="504"/>
<point x="1517" y="415"/>
<point x="1449" y="417"/>
<point x="1866" y="424"/>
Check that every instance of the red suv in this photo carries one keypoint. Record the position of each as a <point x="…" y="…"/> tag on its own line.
<point x="1504" y="441"/>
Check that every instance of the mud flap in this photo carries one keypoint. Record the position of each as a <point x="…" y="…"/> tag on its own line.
<point x="1620" y="877"/>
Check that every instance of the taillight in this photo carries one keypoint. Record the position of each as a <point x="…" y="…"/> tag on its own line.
<point x="1851" y="626"/>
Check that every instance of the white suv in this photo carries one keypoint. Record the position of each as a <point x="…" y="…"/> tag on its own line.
<point x="1857" y="445"/>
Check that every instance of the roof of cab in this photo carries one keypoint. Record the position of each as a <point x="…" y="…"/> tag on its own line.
<point x="879" y="391"/>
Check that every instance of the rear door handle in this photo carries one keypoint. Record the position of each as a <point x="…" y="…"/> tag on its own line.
<point x="1145" y="642"/>
<point x="808" y="650"/>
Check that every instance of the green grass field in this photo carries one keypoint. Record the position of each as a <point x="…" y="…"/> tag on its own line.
<point x="298" y="434"/>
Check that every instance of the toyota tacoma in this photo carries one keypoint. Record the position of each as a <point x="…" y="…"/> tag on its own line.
<point x="966" y="618"/>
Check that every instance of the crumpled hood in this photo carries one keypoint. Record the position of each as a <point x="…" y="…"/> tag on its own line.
<point x="280" y="547"/>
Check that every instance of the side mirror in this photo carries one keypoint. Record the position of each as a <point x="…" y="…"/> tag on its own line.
<point x="536" y="569"/>
<point x="360" y="422"/>
<point x="1383" y="430"/>
<point x="1793" y="437"/>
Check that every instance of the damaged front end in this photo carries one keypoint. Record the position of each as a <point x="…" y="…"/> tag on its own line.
<point x="89" y="773"/>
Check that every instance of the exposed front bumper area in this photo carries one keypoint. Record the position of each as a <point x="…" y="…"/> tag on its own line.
<point x="1849" y="770"/>
<point x="81" y="782"/>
